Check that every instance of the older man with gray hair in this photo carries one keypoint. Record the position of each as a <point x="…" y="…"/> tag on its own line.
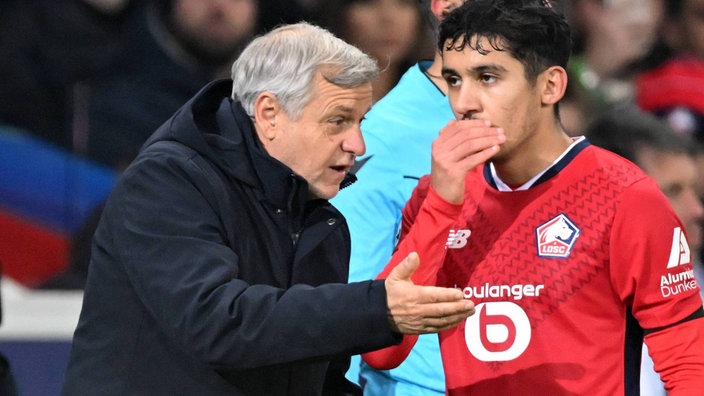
<point x="218" y="266"/>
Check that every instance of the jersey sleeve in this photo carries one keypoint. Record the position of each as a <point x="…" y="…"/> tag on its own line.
<point x="651" y="263"/>
<point x="427" y="221"/>
<point x="426" y="225"/>
<point x="678" y="356"/>
<point x="652" y="271"/>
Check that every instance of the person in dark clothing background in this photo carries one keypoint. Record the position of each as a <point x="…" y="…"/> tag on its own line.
<point x="218" y="266"/>
<point x="168" y="50"/>
<point x="96" y="78"/>
<point x="50" y="50"/>
<point x="174" y="47"/>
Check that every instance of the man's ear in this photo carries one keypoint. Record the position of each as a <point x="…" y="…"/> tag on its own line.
<point x="439" y="7"/>
<point x="266" y="109"/>
<point x="553" y="83"/>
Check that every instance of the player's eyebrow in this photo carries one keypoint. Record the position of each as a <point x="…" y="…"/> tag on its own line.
<point x="490" y="67"/>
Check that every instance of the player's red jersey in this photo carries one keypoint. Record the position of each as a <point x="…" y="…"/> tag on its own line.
<point x="565" y="276"/>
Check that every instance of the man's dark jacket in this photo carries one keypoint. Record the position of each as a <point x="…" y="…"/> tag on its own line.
<point x="212" y="274"/>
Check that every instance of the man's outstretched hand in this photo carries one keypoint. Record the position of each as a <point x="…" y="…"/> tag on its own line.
<point x="417" y="309"/>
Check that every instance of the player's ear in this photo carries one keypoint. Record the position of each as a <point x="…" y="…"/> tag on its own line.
<point x="552" y="84"/>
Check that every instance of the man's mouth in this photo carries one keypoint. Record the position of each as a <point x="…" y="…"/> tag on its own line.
<point x="341" y="168"/>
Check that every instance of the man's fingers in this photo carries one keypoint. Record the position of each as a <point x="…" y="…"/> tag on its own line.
<point x="462" y="143"/>
<point x="435" y="294"/>
<point x="415" y="309"/>
<point x="469" y="129"/>
<point x="449" y="308"/>
<point x="479" y="157"/>
<point x="454" y="125"/>
<point x="405" y="268"/>
<point x="434" y="325"/>
<point x="434" y="317"/>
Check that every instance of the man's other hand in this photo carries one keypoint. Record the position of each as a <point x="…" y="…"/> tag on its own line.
<point x="422" y="309"/>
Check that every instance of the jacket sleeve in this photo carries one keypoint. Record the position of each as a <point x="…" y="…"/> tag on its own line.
<point x="427" y="225"/>
<point x="336" y="384"/>
<point x="170" y="241"/>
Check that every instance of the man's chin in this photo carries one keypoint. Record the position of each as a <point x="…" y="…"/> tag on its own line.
<point x="327" y="193"/>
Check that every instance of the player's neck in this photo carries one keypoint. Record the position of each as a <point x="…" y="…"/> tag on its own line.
<point x="530" y="158"/>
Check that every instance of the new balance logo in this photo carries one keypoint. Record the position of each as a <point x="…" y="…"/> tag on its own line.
<point x="457" y="239"/>
<point x="679" y="252"/>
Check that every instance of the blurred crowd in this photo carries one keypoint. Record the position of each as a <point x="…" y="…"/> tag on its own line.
<point x="94" y="78"/>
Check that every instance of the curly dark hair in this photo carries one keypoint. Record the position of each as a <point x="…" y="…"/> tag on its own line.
<point x="532" y="31"/>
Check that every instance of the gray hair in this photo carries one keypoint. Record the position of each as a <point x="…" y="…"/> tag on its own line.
<point x="286" y="60"/>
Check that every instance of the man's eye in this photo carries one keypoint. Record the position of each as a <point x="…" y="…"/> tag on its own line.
<point x="453" y="81"/>
<point x="487" y="78"/>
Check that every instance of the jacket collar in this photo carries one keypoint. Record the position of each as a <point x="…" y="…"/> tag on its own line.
<point x="218" y="128"/>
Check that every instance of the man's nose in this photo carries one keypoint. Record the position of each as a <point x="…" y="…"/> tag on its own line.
<point x="354" y="142"/>
<point x="466" y="104"/>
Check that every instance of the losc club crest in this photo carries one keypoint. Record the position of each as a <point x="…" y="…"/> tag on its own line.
<point x="556" y="237"/>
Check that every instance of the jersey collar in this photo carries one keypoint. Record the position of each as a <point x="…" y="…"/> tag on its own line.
<point x="578" y="144"/>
